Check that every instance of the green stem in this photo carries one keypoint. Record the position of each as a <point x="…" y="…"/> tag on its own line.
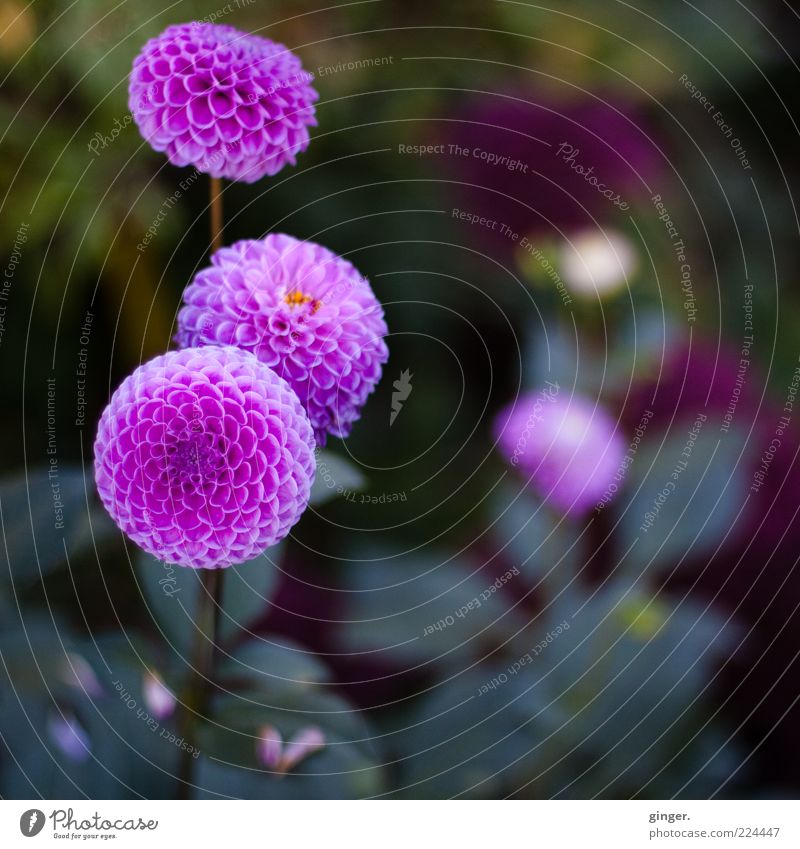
<point x="209" y="607"/>
<point x="215" y="209"/>
<point x="201" y="672"/>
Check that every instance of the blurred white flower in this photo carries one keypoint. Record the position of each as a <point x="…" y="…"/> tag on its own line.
<point x="595" y="263"/>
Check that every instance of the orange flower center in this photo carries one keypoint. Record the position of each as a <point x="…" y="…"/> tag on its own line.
<point x="296" y="298"/>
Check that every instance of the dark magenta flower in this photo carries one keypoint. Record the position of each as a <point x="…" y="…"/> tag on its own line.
<point x="232" y="104"/>
<point x="303" y="311"/>
<point x="568" y="448"/>
<point x="546" y="167"/>
<point x="204" y="457"/>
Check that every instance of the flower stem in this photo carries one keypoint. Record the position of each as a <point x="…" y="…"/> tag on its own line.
<point x="195" y="699"/>
<point x="209" y="606"/>
<point x="215" y="207"/>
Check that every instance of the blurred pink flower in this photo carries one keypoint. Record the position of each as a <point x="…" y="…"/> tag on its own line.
<point x="568" y="448"/>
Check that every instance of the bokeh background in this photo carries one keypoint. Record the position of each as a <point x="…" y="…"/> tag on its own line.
<point x="677" y="672"/>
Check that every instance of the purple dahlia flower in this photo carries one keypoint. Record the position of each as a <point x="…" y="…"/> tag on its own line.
<point x="567" y="447"/>
<point x="302" y="310"/>
<point x="231" y="104"/>
<point x="204" y="457"/>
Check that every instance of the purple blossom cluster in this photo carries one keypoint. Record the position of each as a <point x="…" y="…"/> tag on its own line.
<point x="204" y="457"/>
<point x="301" y="310"/>
<point x="568" y="448"/>
<point x="231" y="104"/>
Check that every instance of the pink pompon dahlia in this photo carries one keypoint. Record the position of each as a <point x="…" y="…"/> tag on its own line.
<point x="231" y="104"/>
<point x="567" y="447"/>
<point x="303" y="311"/>
<point x="204" y="457"/>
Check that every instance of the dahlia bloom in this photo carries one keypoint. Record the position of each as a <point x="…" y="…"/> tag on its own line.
<point x="231" y="104"/>
<point x="567" y="447"/>
<point x="204" y="458"/>
<point x="301" y="310"/>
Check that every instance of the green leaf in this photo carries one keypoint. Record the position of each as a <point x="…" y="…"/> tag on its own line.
<point x="48" y="516"/>
<point x="682" y="495"/>
<point x="335" y="476"/>
<point x="132" y="752"/>
<point x="454" y="742"/>
<point x="335" y="773"/>
<point x="268" y="665"/>
<point x="596" y="700"/>
<point x="35" y="656"/>
<point x="247" y="591"/>
<point x="542" y="543"/>
<point x="434" y="608"/>
<point x="172" y="594"/>
<point x="279" y="684"/>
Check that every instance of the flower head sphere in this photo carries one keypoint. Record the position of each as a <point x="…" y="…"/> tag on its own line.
<point x="567" y="447"/>
<point x="231" y="104"/>
<point x="302" y="310"/>
<point x="204" y="457"/>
